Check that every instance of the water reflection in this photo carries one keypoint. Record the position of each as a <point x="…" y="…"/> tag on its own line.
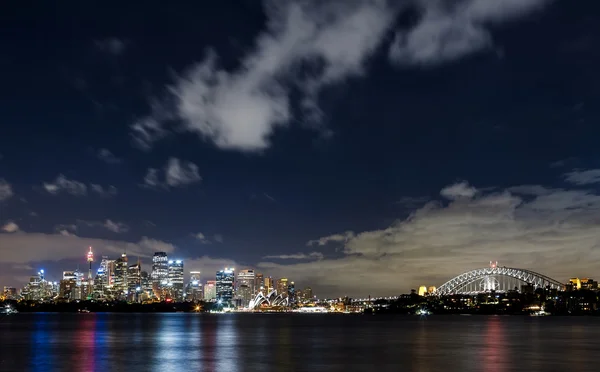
<point x="83" y="359"/>
<point x="494" y="351"/>
<point x="42" y="357"/>
<point x="226" y="348"/>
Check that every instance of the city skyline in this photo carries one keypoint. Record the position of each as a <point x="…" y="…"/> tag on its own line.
<point x="354" y="148"/>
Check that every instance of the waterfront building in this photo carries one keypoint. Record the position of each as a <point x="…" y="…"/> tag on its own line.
<point x="225" y="285"/>
<point x="422" y="290"/>
<point x="67" y="289"/>
<point x="102" y="281"/>
<point x="175" y="279"/>
<point x="160" y="272"/>
<point x="210" y="290"/>
<point x="245" y="286"/>
<point x="146" y="285"/>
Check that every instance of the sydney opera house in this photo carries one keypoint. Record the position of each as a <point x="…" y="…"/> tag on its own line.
<point x="270" y="302"/>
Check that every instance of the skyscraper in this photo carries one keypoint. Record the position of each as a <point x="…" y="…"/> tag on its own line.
<point x="194" y="287"/>
<point x="160" y="272"/>
<point x="90" y="279"/>
<point x="225" y="285"/>
<point x="269" y="285"/>
<point x="282" y="287"/>
<point x="259" y="283"/>
<point x="291" y="292"/>
<point x="210" y="290"/>
<point x="134" y="282"/>
<point x="245" y="286"/>
<point x="121" y="271"/>
<point x="175" y="279"/>
<point x="102" y="282"/>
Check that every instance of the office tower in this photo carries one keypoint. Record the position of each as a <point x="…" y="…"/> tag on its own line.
<point x="134" y="282"/>
<point x="120" y="280"/>
<point x="245" y="286"/>
<point x="210" y="290"/>
<point x="175" y="279"/>
<point x="282" y="285"/>
<point x="307" y="293"/>
<point x="225" y="285"/>
<point x="146" y="285"/>
<point x="10" y="293"/>
<point x="159" y="273"/>
<point x="194" y="287"/>
<point x="67" y="289"/>
<point x="291" y="292"/>
<point x="103" y="275"/>
<point x="268" y="285"/>
<point x="259" y="283"/>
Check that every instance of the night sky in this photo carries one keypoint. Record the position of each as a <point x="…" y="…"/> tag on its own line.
<point x="357" y="147"/>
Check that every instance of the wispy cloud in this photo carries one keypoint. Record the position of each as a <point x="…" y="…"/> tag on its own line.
<point x="201" y="238"/>
<point x="447" y="31"/>
<point x="297" y="256"/>
<point x="6" y="191"/>
<point x="64" y="185"/>
<point x="175" y="174"/>
<point x="108" y="157"/>
<point x="583" y="177"/>
<point x="240" y="109"/>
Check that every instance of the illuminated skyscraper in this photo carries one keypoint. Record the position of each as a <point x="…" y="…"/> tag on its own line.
<point x="245" y="286"/>
<point x="210" y="290"/>
<point x="175" y="279"/>
<point x="282" y="287"/>
<point x="422" y="290"/>
<point x="259" y="283"/>
<point x="194" y="287"/>
<point x="291" y="291"/>
<point x="307" y="293"/>
<point x="134" y="282"/>
<point x="225" y="285"/>
<point x="269" y="285"/>
<point x="160" y="272"/>
<point x="121" y="272"/>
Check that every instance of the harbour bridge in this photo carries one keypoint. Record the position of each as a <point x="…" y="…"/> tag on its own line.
<point x="495" y="278"/>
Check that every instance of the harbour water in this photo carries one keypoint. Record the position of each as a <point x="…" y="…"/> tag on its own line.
<point x="296" y="342"/>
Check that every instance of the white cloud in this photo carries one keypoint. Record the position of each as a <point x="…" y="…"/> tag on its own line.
<point x="306" y="47"/>
<point x="10" y="227"/>
<point x="65" y="233"/>
<point x="335" y="238"/>
<point x="107" y="192"/>
<point x="218" y="238"/>
<point x="176" y="174"/>
<point x="107" y="156"/>
<point x="111" y="45"/>
<point x="551" y="231"/>
<point x="201" y="238"/>
<point x="583" y="177"/>
<point x="61" y="183"/>
<point x="116" y="227"/>
<point x="297" y="256"/>
<point x="34" y="247"/>
<point x="450" y="30"/>
<point x="458" y="190"/>
<point x="73" y="187"/>
<point x="5" y="190"/>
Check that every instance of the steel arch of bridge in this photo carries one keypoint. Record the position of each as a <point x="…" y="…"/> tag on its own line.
<point x="458" y="283"/>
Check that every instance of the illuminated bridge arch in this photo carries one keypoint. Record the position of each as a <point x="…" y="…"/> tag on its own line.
<point x="495" y="278"/>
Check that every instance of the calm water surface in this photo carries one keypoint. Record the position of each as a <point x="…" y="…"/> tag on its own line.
<point x="296" y="342"/>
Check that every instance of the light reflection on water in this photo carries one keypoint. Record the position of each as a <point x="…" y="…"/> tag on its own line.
<point x="282" y="342"/>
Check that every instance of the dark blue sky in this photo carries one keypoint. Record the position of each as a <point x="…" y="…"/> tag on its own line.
<point x="271" y="125"/>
